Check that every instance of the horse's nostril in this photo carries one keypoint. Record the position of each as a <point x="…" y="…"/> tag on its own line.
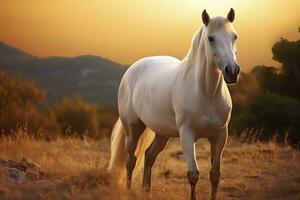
<point x="227" y="69"/>
<point x="238" y="69"/>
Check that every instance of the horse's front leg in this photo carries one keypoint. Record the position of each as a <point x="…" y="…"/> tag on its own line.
<point x="217" y="146"/>
<point x="187" y="140"/>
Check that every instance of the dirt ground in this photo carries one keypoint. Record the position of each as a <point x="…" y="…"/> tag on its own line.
<point x="76" y="169"/>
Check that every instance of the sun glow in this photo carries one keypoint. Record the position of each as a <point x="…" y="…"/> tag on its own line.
<point x="125" y="31"/>
<point x="216" y="7"/>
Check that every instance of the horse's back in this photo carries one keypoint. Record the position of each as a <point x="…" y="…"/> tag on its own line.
<point x="154" y="66"/>
<point x="148" y="70"/>
<point x="145" y="90"/>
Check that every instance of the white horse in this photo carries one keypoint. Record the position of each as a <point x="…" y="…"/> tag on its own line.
<point x="188" y="99"/>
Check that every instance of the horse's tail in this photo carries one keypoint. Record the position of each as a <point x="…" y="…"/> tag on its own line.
<point x="117" y="161"/>
<point x="117" y="155"/>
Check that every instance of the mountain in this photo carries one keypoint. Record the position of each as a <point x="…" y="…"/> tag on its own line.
<point x="11" y="55"/>
<point x="94" y="78"/>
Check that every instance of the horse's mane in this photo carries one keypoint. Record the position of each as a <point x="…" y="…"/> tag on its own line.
<point x="215" y="24"/>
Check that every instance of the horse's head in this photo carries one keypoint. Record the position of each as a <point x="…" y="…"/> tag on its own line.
<point x="220" y="37"/>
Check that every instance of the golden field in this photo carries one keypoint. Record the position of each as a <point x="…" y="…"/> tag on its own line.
<point x="76" y="169"/>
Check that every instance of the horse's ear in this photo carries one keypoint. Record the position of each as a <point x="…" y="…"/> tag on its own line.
<point x="231" y="15"/>
<point x="205" y="18"/>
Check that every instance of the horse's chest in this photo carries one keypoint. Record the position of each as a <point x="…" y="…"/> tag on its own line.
<point x="211" y="119"/>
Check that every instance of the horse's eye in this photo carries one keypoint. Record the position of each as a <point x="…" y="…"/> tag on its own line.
<point x="211" y="38"/>
<point x="235" y="37"/>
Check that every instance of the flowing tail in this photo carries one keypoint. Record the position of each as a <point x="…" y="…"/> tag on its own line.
<point x="117" y="163"/>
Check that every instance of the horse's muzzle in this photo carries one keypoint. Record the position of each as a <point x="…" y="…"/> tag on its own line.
<point x="231" y="74"/>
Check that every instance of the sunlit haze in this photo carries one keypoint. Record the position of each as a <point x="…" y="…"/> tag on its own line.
<point x="125" y="31"/>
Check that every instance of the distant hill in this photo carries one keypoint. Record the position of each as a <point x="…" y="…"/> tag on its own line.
<point x="94" y="78"/>
<point x="11" y="55"/>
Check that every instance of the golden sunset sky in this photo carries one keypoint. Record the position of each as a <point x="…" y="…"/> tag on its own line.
<point x="126" y="30"/>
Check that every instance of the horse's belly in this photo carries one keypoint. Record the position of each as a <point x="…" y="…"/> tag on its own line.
<point x="164" y="127"/>
<point x="157" y="115"/>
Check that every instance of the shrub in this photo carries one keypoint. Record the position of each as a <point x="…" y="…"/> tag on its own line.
<point x="19" y="102"/>
<point x="76" y="117"/>
<point x="269" y="114"/>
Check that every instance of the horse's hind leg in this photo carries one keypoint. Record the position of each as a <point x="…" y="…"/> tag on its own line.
<point x="133" y="133"/>
<point x="151" y="153"/>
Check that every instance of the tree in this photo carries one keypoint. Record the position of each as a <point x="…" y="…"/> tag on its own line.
<point x="288" y="54"/>
<point x="267" y="77"/>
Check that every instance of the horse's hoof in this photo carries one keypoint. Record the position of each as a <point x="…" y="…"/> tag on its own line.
<point x="146" y="194"/>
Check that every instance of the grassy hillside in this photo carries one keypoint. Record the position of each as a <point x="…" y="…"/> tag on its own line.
<point x="75" y="169"/>
<point x="94" y="78"/>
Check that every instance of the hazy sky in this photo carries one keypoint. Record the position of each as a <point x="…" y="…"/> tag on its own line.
<point x="126" y="30"/>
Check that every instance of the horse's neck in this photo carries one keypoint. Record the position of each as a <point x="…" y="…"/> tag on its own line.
<point x="206" y="77"/>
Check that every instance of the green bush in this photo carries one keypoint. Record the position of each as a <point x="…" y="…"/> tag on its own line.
<point x="76" y="117"/>
<point x="270" y="114"/>
<point x="19" y="103"/>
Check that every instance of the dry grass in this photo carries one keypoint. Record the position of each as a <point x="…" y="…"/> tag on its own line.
<point x="75" y="169"/>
